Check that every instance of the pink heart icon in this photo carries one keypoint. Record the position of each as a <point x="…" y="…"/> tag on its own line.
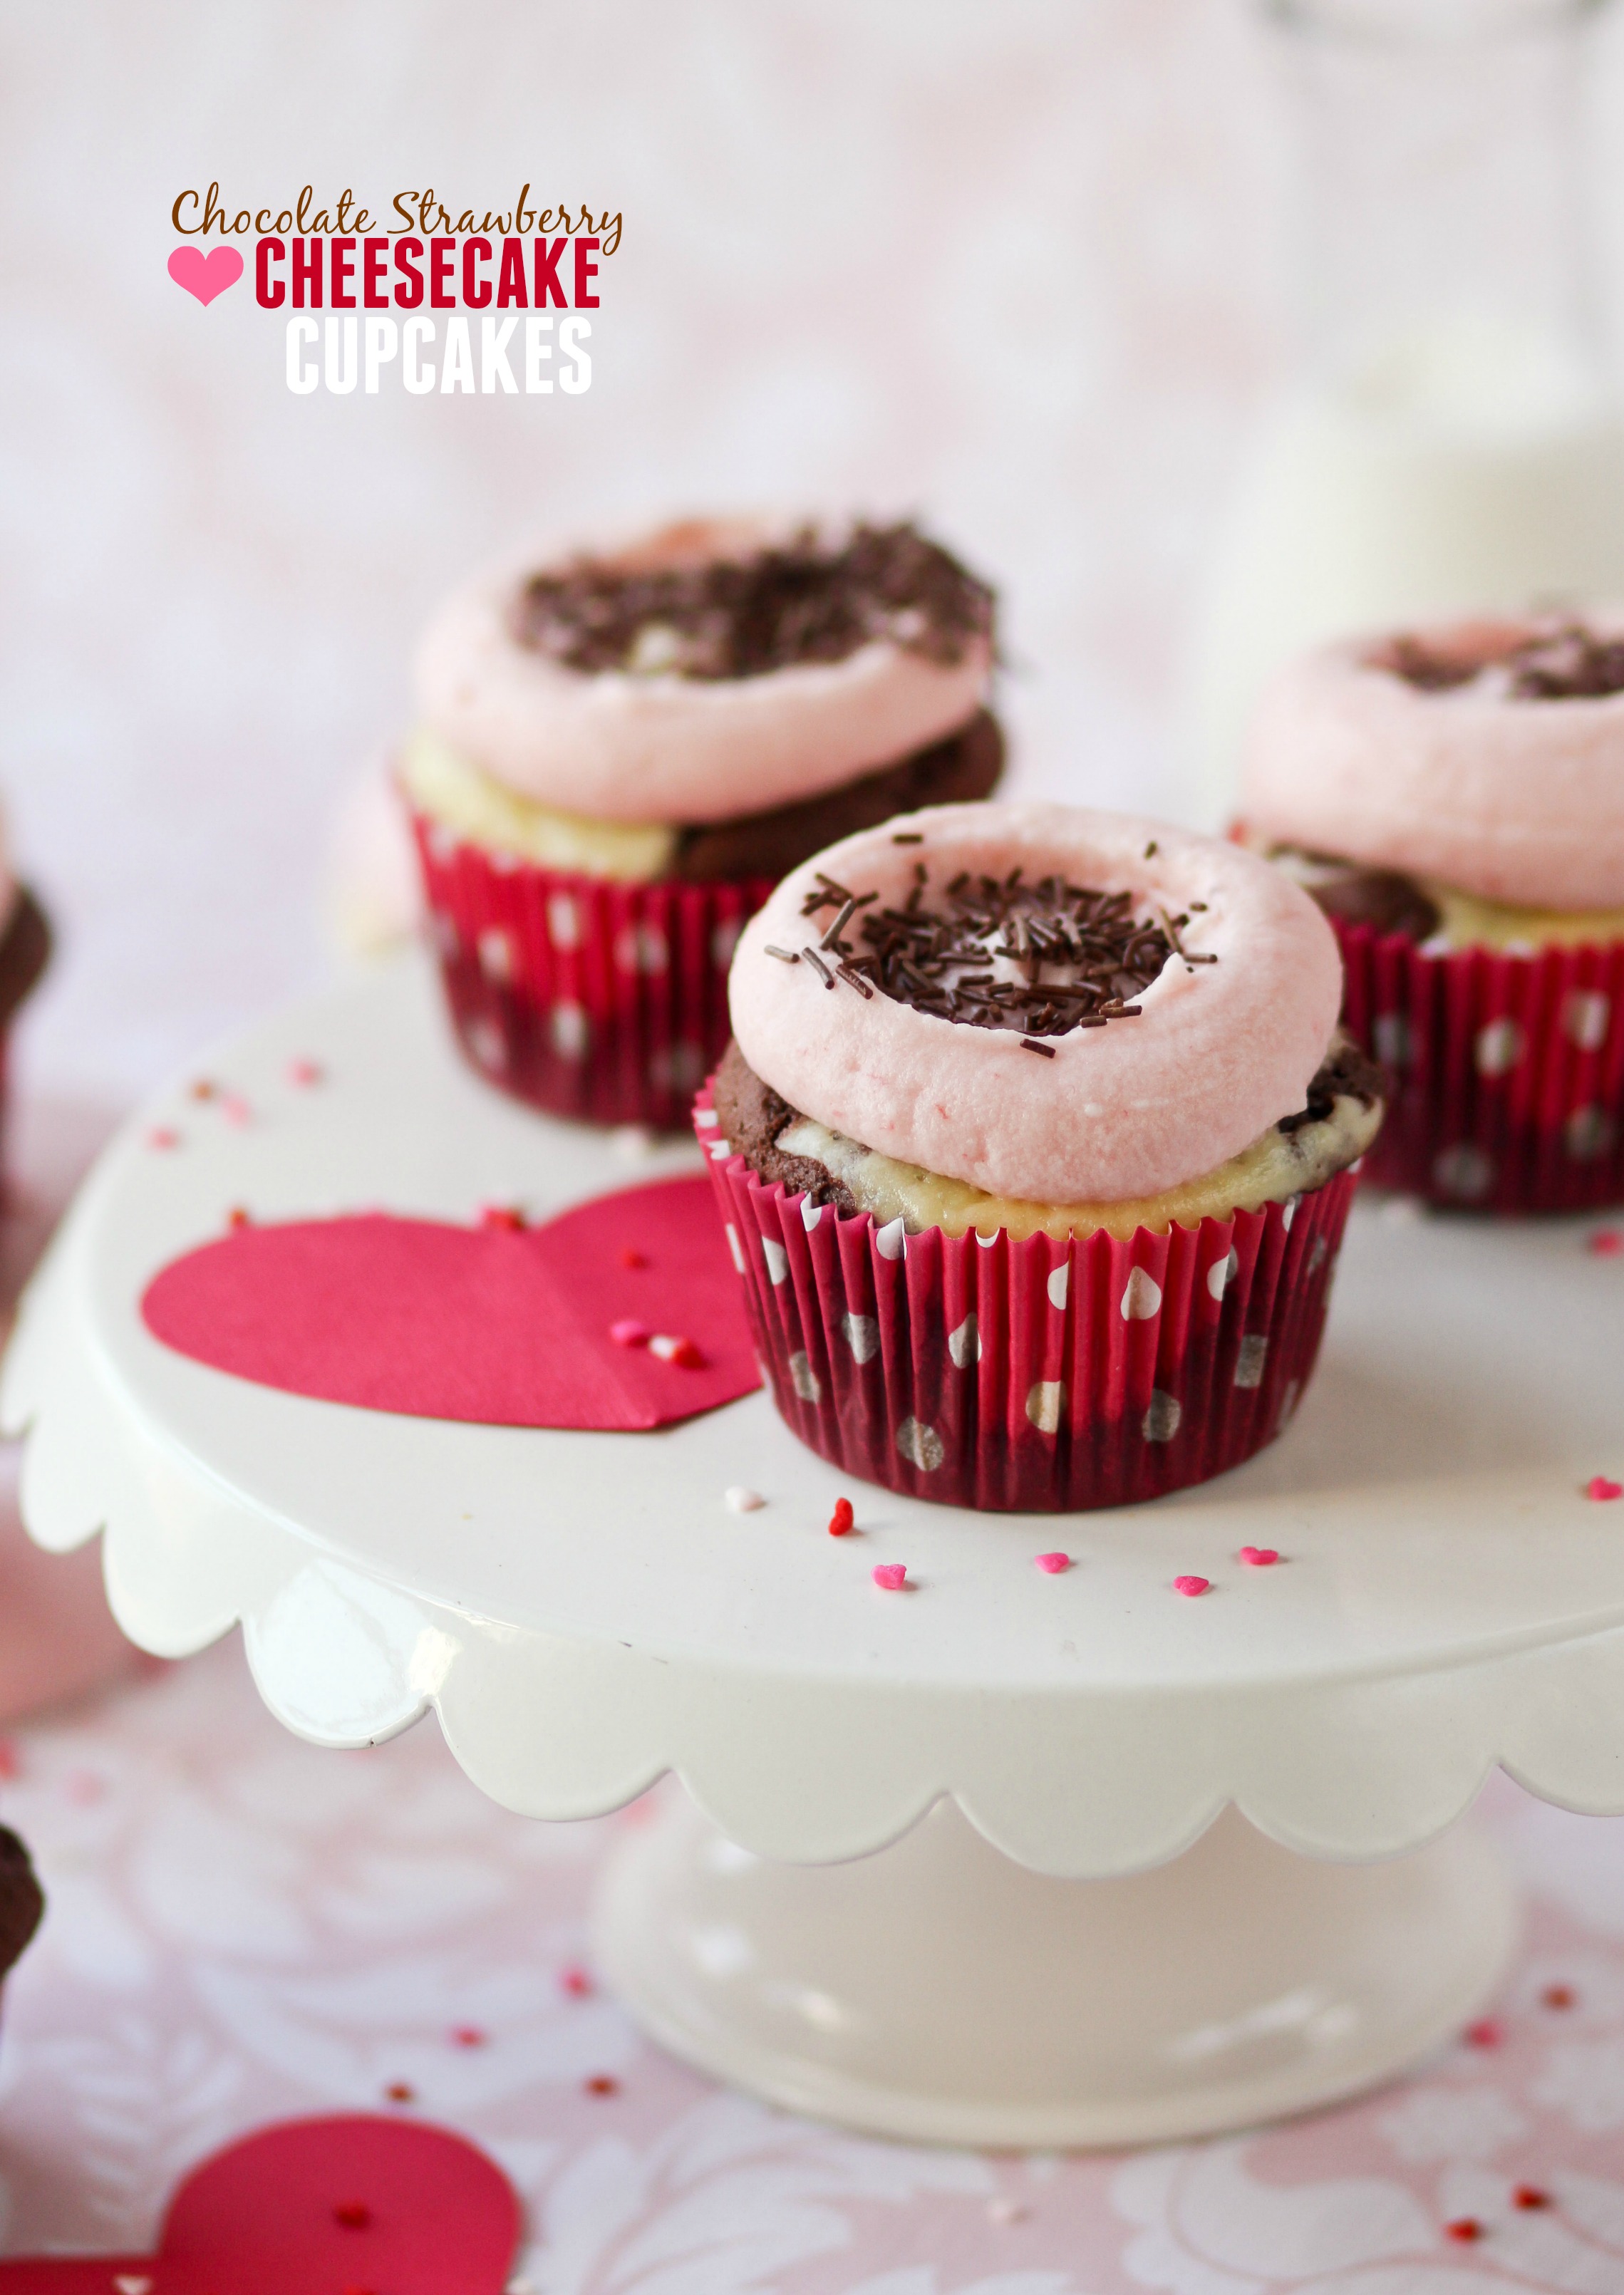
<point x="205" y="276"/>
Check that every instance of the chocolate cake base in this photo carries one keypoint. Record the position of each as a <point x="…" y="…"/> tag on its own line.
<point x="22" y="1898"/>
<point x="965" y="766"/>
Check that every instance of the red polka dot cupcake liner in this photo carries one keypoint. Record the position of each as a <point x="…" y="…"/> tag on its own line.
<point x="1508" y="1071"/>
<point x="1037" y="1376"/>
<point x="592" y="999"/>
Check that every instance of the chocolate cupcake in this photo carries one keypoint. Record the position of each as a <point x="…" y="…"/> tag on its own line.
<point x="23" y="1901"/>
<point x="1035" y="1145"/>
<point x="1454" y="800"/>
<point x="618" y="756"/>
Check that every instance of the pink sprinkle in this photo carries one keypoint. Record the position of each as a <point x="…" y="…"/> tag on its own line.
<point x="893" y="1576"/>
<point x="10" y="1760"/>
<point x="576" y="1981"/>
<point x="1606" y="1242"/>
<point x="235" y="1109"/>
<point x="1599" y="1487"/>
<point x="500" y="1215"/>
<point x="1258" y="1557"/>
<point x="1053" y="1563"/>
<point x="468" y="2035"/>
<point x="1191" y="1585"/>
<point x="163" y="1137"/>
<point x="1488" y="2032"/>
<point x="681" y="1352"/>
<point x="630" y="1332"/>
<point x="303" y="1073"/>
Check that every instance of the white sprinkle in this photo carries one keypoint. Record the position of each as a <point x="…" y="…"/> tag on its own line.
<point x="741" y="1500"/>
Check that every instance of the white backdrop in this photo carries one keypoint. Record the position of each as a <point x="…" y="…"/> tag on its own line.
<point x="1010" y="266"/>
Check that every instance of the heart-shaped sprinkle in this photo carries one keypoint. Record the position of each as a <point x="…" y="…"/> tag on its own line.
<point x="1529" y="2195"/>
<point x="163" y="1135"/>
<point x="1599" y="1488"/>
<point x="668" y="1346"/>
<point x="576" y="1981"/>
<point x="355" y="2215"/>
<point x="1052" y="1564"/>
<point x="628" y="1331"/>
<point x="1606" y="1242"/>
<point x="501" y="1215"/>
<point x="601" y="2083"/>
<point x="1191" y="1585"/>
<point x="840" y="1521"/>
<point x="1258" y="1557"/>
<point x="1463" y="2228"/>
<point x="303" y="1073"/>
<point x="1488" y="2032"/>
<point x="891" y="1576"/>
<point x="468" y="2035"/>
<point x="1556" y="1995"/>
<point x="741" y="1500"/>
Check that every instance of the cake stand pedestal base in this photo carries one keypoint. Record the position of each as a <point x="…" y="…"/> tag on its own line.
<point x="939" y="1992"/>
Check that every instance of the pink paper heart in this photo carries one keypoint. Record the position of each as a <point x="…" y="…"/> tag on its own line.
<point x="205" y="276"/>
<point x="496" y="1325"/>
<point x="313" y="2205"/>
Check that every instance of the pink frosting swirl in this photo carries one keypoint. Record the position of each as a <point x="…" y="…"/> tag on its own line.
<point x="664" y="748"/>
<point x="1509" y="799"/>
<point x="1219" y="1053"/>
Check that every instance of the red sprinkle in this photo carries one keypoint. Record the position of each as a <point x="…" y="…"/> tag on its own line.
<point x="353" y="2215"/>
<point x="401" y="2091"/>
<point x="501" y="1215"/>
<point x="1191" y="1585"/>
<point x="1557" y="1996"/>
<point x="672" y="1349"/>
<point x="891" y="1576"/>
<point x="602" y="2084"/>
<point x="842" y="1519"/>
<point x="630" y="1332"/>
<point x="630" y="1258"/>
<point x="1463" y="2228"/>
<point x="1606" y="1242"/>
<point x="1529" y="2195"/>
<point x="1052" y="1564"/>
<point x="237" y="1217"/>
<point x="1598" y="1487"/>
<point x="576" y="1981"/>
<point x="1488" y="2032"/>
<point x="468" y="2035"/>
<point x="303" y="1071"/>
<point x="1258" y="1557"/>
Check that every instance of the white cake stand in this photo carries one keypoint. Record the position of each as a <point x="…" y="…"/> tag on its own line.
<point x="586" y="1615"/>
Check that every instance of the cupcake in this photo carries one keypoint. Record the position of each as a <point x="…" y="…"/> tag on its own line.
<point x="1035" y="1143"/>
<point x="618" y="756"/>
<point x="25" y="950"/>
<point x="21" y="1900"/>
<point x="1454" y="800"/>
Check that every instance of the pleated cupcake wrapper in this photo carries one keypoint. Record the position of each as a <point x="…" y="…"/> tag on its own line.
<point x="1508" y="1071"/>
<point x="1036" y="1376"/>
<point x="584" y="997"/>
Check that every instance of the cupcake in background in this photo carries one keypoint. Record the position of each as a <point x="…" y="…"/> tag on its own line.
<point x="617" y="756"/>
<point x="1035" y="1146"/>
<point x="25" y="951"/>
<point x="22" y="1902"/>
<point x="1454" y="799"/>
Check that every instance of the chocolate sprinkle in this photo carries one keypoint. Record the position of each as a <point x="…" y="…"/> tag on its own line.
<point x="731" y="617"/>
<point x="1069" y="957"/>
<point x="1567" y="662"/>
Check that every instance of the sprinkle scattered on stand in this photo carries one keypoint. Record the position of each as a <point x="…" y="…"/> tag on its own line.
<point x="237" y="1217"/>
<point x="1529" y="2195"/>
<point x="1258" y="1557"/>
<point x="1599" y="1488"/>
<point x="1191" y="1586"/>
<point x="204" y="1090"/>
<point x="739" y="1500"/>
<point x="1464" y="2228"/>
<point x="401" y="2091"/>
<point x="354" y="2214"/>
<point x="628" y="1331"/>
<point x="601" y="2083"/>
<point x="303" y="1073"/>
<point x="163" y="1136"/>
<point x="235" y="1109"/>
<point x="840" y="1521"/>
<point x="1606" y="1242"/>
<point x="576" y="1981"/>
<point x="671" y="1349"/>
<point x="468" y="2035"/>
<point x="1052" y="1564"/>
<point x="1557" y="1996"/>
<point x="891" y="1577"/>
<point x="10" y="1760"/>
<point x="630" y="1258"/>
<point x="1488" y="2032"/>
<point x="501" y="1215"/>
